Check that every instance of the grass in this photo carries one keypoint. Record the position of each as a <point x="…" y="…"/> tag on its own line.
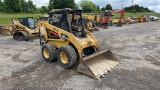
<point x="6" y="18"/>
<point x="134" y="14"/>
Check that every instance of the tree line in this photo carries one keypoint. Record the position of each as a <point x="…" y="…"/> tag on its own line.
<point x="27" y="6"/>
<point x="137" y="8"/>
<point x="17" y="6"/>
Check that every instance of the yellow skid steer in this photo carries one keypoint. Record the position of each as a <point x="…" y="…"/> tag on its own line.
<point x="89" y="25"/>
<point x="24" y="28"/>
<point x="68" y="42"/>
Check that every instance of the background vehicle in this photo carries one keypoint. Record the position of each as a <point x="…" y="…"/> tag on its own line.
<point x="153" y="18"/>
<point x="24" y="28"/>
<point x="104" y="19"/>
<point x="100" y="20"/>
<point x="118" y="21"/>
<point x="43" y="18"/>
<point x="130" y="20"/>
<point x="89" y="25"/>
<point x="139" y="18"/>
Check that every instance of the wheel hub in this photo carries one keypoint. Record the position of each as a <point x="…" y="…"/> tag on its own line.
<point x="64" y="57"/>
<point x="46" y="53"/>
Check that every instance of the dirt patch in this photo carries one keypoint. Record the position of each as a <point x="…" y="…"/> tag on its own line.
<point x="146" y="79"/>
<point x="137" y="46"/>
<point x="150" y="58"/>
<point x="149" y="46"/>
<point x="156" y="63"/>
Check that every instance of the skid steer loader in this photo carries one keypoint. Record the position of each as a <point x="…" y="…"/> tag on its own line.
<point x="43" y="18"/>
<point x="68" y="42"/>
<point x="24" y="28"/>
<point x="89" y="25"/>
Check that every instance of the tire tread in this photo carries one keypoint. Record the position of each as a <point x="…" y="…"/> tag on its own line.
<point x="52" y="52"/>
<point x="72" y="53"/>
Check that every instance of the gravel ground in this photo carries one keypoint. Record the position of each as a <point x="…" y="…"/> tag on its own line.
<point x="137" y="46"/>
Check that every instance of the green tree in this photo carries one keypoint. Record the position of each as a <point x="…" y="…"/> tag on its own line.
<point x="12" y="6"/>
<point x="137" y="8"/>
<point x="88" y="6"/>
<point x="59" y="4"/>
<point x="31" y="7"/>
<point x="17" y="6"/>
<point x="24" y="6"/>
<point x="98" y="8"/>
<point x="44" y="9"/>
<point x="133" y="11"/>
<point x="76" y="6"/>
<point x="108" y="7"/>
<point x="1" y="6"/>
<point x="103" y="9"/>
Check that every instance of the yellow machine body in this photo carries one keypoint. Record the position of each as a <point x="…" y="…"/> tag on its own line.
<point x="95" y="64"/>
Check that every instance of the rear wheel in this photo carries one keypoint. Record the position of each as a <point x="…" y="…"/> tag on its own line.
<point x="49" y="52"/>
<point x="119" y="24"/>
<point x="67" y="56"/>
<point x="16" y="35"/>
<point x="25" y="35"/>
<point x="22" y="35"/>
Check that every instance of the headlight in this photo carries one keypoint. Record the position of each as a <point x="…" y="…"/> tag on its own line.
<point x="64" y="36"/>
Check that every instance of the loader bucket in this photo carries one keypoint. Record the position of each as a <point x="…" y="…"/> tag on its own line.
<point x="98" y="64"/>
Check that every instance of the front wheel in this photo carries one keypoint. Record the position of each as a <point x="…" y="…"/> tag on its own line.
<point x="119" y="24"/>
<point x="67" y="56"/>
<point x="21" y="35"/>
<point x="16" y="35"/>
<point x="25" y="35"/>
<point x="49" y="52"/>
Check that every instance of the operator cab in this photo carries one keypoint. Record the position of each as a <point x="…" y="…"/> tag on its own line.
<point x="28" y="22"/>
<point x="69" y="20"/>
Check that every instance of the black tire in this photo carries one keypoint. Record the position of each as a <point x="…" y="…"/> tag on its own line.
<point x="70" y="55"/>
<point x="51" y="52"/>
<point x="119" y="24"/>
<point x="25" y="35"/>
<point x="16" y="35"/>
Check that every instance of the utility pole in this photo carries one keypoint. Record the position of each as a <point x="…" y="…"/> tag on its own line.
<point x="132" y="2"/>
<point x="122" y="4"/>
<point x="52" y="4"/>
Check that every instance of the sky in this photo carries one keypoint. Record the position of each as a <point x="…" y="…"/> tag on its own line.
<point x="116" y="4"/>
